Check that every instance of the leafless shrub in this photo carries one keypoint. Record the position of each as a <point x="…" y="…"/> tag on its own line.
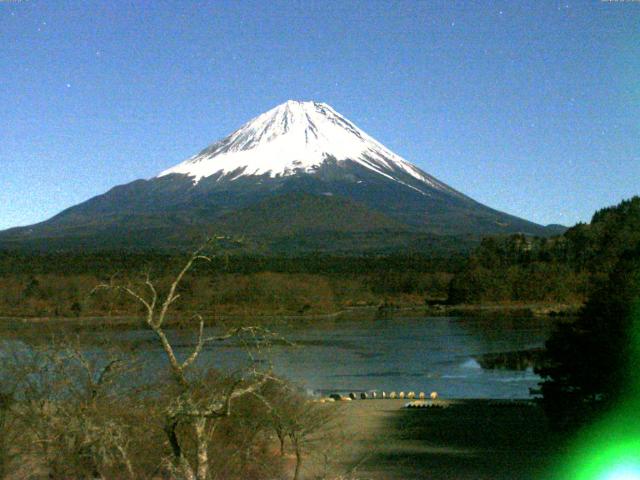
<point x="63" y="408"/>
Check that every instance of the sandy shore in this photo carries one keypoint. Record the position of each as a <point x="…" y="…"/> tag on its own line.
<point x="471" y="439"/>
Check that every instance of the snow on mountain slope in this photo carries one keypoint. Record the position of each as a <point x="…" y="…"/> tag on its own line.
<point x="297" y="137"/>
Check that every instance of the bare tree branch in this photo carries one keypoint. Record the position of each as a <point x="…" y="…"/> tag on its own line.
<point x="198" y="348"/>
<point x="171" y="296"/>
<point x="194" y="406"/>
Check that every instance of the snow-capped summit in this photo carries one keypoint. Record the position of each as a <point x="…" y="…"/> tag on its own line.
<point x="297" y="137"/>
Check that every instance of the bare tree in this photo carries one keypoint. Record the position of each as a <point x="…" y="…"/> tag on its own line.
<point x="308" y="426"/>
<point x="192" y="406"/>
<point x="6" y="401"/>
<point x="74" y="410"/>
<point x="63" y="422"/>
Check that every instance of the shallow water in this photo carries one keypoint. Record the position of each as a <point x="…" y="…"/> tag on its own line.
<point x="402" y="354"/>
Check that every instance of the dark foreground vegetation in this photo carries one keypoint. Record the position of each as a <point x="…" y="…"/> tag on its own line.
<point x="589" y="366"/>
<point x="65" y="415"/>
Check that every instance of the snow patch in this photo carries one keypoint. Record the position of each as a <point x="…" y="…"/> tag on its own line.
<point x="297" y="137"/>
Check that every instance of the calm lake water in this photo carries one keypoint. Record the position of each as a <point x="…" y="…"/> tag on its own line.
<point x="408" y="354"/>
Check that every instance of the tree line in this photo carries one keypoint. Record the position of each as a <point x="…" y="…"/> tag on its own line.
<point x="589" y="366"/>
<point x="564" y="268"/>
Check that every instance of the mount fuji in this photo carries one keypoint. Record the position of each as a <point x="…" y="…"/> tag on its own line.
<point x="297" y="177"/>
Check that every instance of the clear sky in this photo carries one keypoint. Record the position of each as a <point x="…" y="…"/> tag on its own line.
<point x="531" y="107"/>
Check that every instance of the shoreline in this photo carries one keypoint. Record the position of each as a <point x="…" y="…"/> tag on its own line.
<point x="364" y="313"/>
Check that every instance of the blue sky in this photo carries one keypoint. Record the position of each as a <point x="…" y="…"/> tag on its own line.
<point x="531" y="107"/>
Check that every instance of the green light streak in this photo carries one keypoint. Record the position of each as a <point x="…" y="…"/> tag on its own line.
<point x="610" y="449"/>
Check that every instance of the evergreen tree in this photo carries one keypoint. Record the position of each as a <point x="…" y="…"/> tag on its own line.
<point x="588" y="364"/>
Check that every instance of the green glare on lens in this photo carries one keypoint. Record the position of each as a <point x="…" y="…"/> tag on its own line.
<point x="610" y="450"/>
<point x="624" y="472"/>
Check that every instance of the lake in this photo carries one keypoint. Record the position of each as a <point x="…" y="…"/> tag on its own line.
<point x="402" y="354"/>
